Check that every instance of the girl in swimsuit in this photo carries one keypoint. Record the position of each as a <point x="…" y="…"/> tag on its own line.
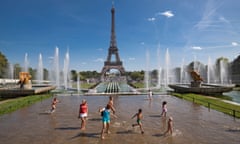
<point x="139" y="118"/>
<point x="105" y="112"/>
<point x="164" y="109"/>
<point x="54" y="103"/>
<point x="83" y="112"/>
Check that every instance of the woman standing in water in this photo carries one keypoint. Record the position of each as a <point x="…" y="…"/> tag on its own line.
<point x="83" y="112"/>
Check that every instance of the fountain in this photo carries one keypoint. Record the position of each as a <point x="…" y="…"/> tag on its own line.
<point x="146" y="74"/>
<point x="167" y="62"/>
<point x="56" y="68"/>
<point x="26" y="63"/>
<point x="25" y="83"/>
<point x="112" y="87"/>
<point x="159" y="68"/>
<point x="223" y="72"/>
<point x="26" y="88"/>
<point x="40" y="70"/>
<point x="78" y="84"/>
<point x="197" y="86"/>
<point x="66" y="70"/>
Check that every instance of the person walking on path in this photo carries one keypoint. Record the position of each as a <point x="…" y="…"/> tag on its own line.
<point x="83" y="113"/>
<point x="139" y="116"/>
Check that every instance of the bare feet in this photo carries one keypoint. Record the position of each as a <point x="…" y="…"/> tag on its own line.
<point x="82" y="128"/>
<point x="108" y="132"/>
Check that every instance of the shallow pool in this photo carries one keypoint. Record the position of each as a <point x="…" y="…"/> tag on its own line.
<point x="192" y="123"/>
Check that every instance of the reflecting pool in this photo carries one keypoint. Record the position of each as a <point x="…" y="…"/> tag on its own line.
<point x="192" y="123"/>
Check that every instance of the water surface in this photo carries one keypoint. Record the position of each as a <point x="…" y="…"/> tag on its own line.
<point x="193" y="124"/>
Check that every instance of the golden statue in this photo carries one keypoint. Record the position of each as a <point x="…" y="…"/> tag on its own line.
<point x="196" y="76"/>
<point x="25" y="80"/>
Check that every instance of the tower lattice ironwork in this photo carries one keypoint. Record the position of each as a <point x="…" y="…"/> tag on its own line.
<point x="113" y="50"/>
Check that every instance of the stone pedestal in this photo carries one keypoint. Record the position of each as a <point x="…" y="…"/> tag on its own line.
<point x="195" y="84"/>
<point x="28" y="85"/>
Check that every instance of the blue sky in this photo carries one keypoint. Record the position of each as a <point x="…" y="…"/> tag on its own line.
<point x="189" y="29"/>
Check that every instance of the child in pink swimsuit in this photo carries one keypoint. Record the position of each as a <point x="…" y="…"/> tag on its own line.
<point x="164" y="109"/>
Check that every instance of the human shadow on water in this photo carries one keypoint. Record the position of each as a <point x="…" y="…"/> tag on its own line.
<point x="233" y="130"/>
<point x="94" y="119"/>
<point x="67" y="128"/>
<point x="83" y="134"/>
<point x="125" y="132"/>
<point x="158" y="135"/>
<point x="45" y="113"/>
<point x="155" y="116"/>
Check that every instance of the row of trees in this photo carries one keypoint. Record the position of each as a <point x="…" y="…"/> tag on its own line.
<point x="84" y="75"/>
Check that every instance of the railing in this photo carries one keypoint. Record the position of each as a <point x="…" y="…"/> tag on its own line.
<point x="209" y="105"/>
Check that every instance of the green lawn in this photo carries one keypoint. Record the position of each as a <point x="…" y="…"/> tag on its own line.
<point x="10" y="105"/>
<point x="212" y="102"/>
<point x="84" y="85"/>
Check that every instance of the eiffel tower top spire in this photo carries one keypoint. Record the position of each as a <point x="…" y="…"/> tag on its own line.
<point x="113" y="42"/>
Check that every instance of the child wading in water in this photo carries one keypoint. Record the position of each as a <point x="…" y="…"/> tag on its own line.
<point x="164" y="109"/>
<point x="139" y="116"/>
<point x="110" y="102"/>
<point x="54" y="103"/>
<point x="83" y="112"/>
<point x="105" y="113"/>
<point x="169" y="126"/>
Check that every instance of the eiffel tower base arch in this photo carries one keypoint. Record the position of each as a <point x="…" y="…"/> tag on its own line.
<point x="107" y="68"/>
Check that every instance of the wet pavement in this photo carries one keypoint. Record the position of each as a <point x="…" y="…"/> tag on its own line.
<point x="193" y="124"/>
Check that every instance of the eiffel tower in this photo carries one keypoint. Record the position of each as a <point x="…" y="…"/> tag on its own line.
<point x="113" y="50"/>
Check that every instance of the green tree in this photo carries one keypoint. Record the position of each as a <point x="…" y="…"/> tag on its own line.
<point x="3" y="65"/>
<point x="136" y="75"/>
<point x="74" y="75"/>
<point x="16" y="69"/>
<point x="45" y="74"/>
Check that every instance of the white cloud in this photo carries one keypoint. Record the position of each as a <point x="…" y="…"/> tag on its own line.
<point x="131" y="58"/>
<point x="99" y="60"/>
<point x="100" y="49"/>
<point x="151" y="19"/>
<point x="210" y="16"/>
<point x="83" y="63"/>
<point x="223" y="19"/>
<point x="196" y="48"/>
<point x="234" y="44"/>
<point x="168" y="14"/>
